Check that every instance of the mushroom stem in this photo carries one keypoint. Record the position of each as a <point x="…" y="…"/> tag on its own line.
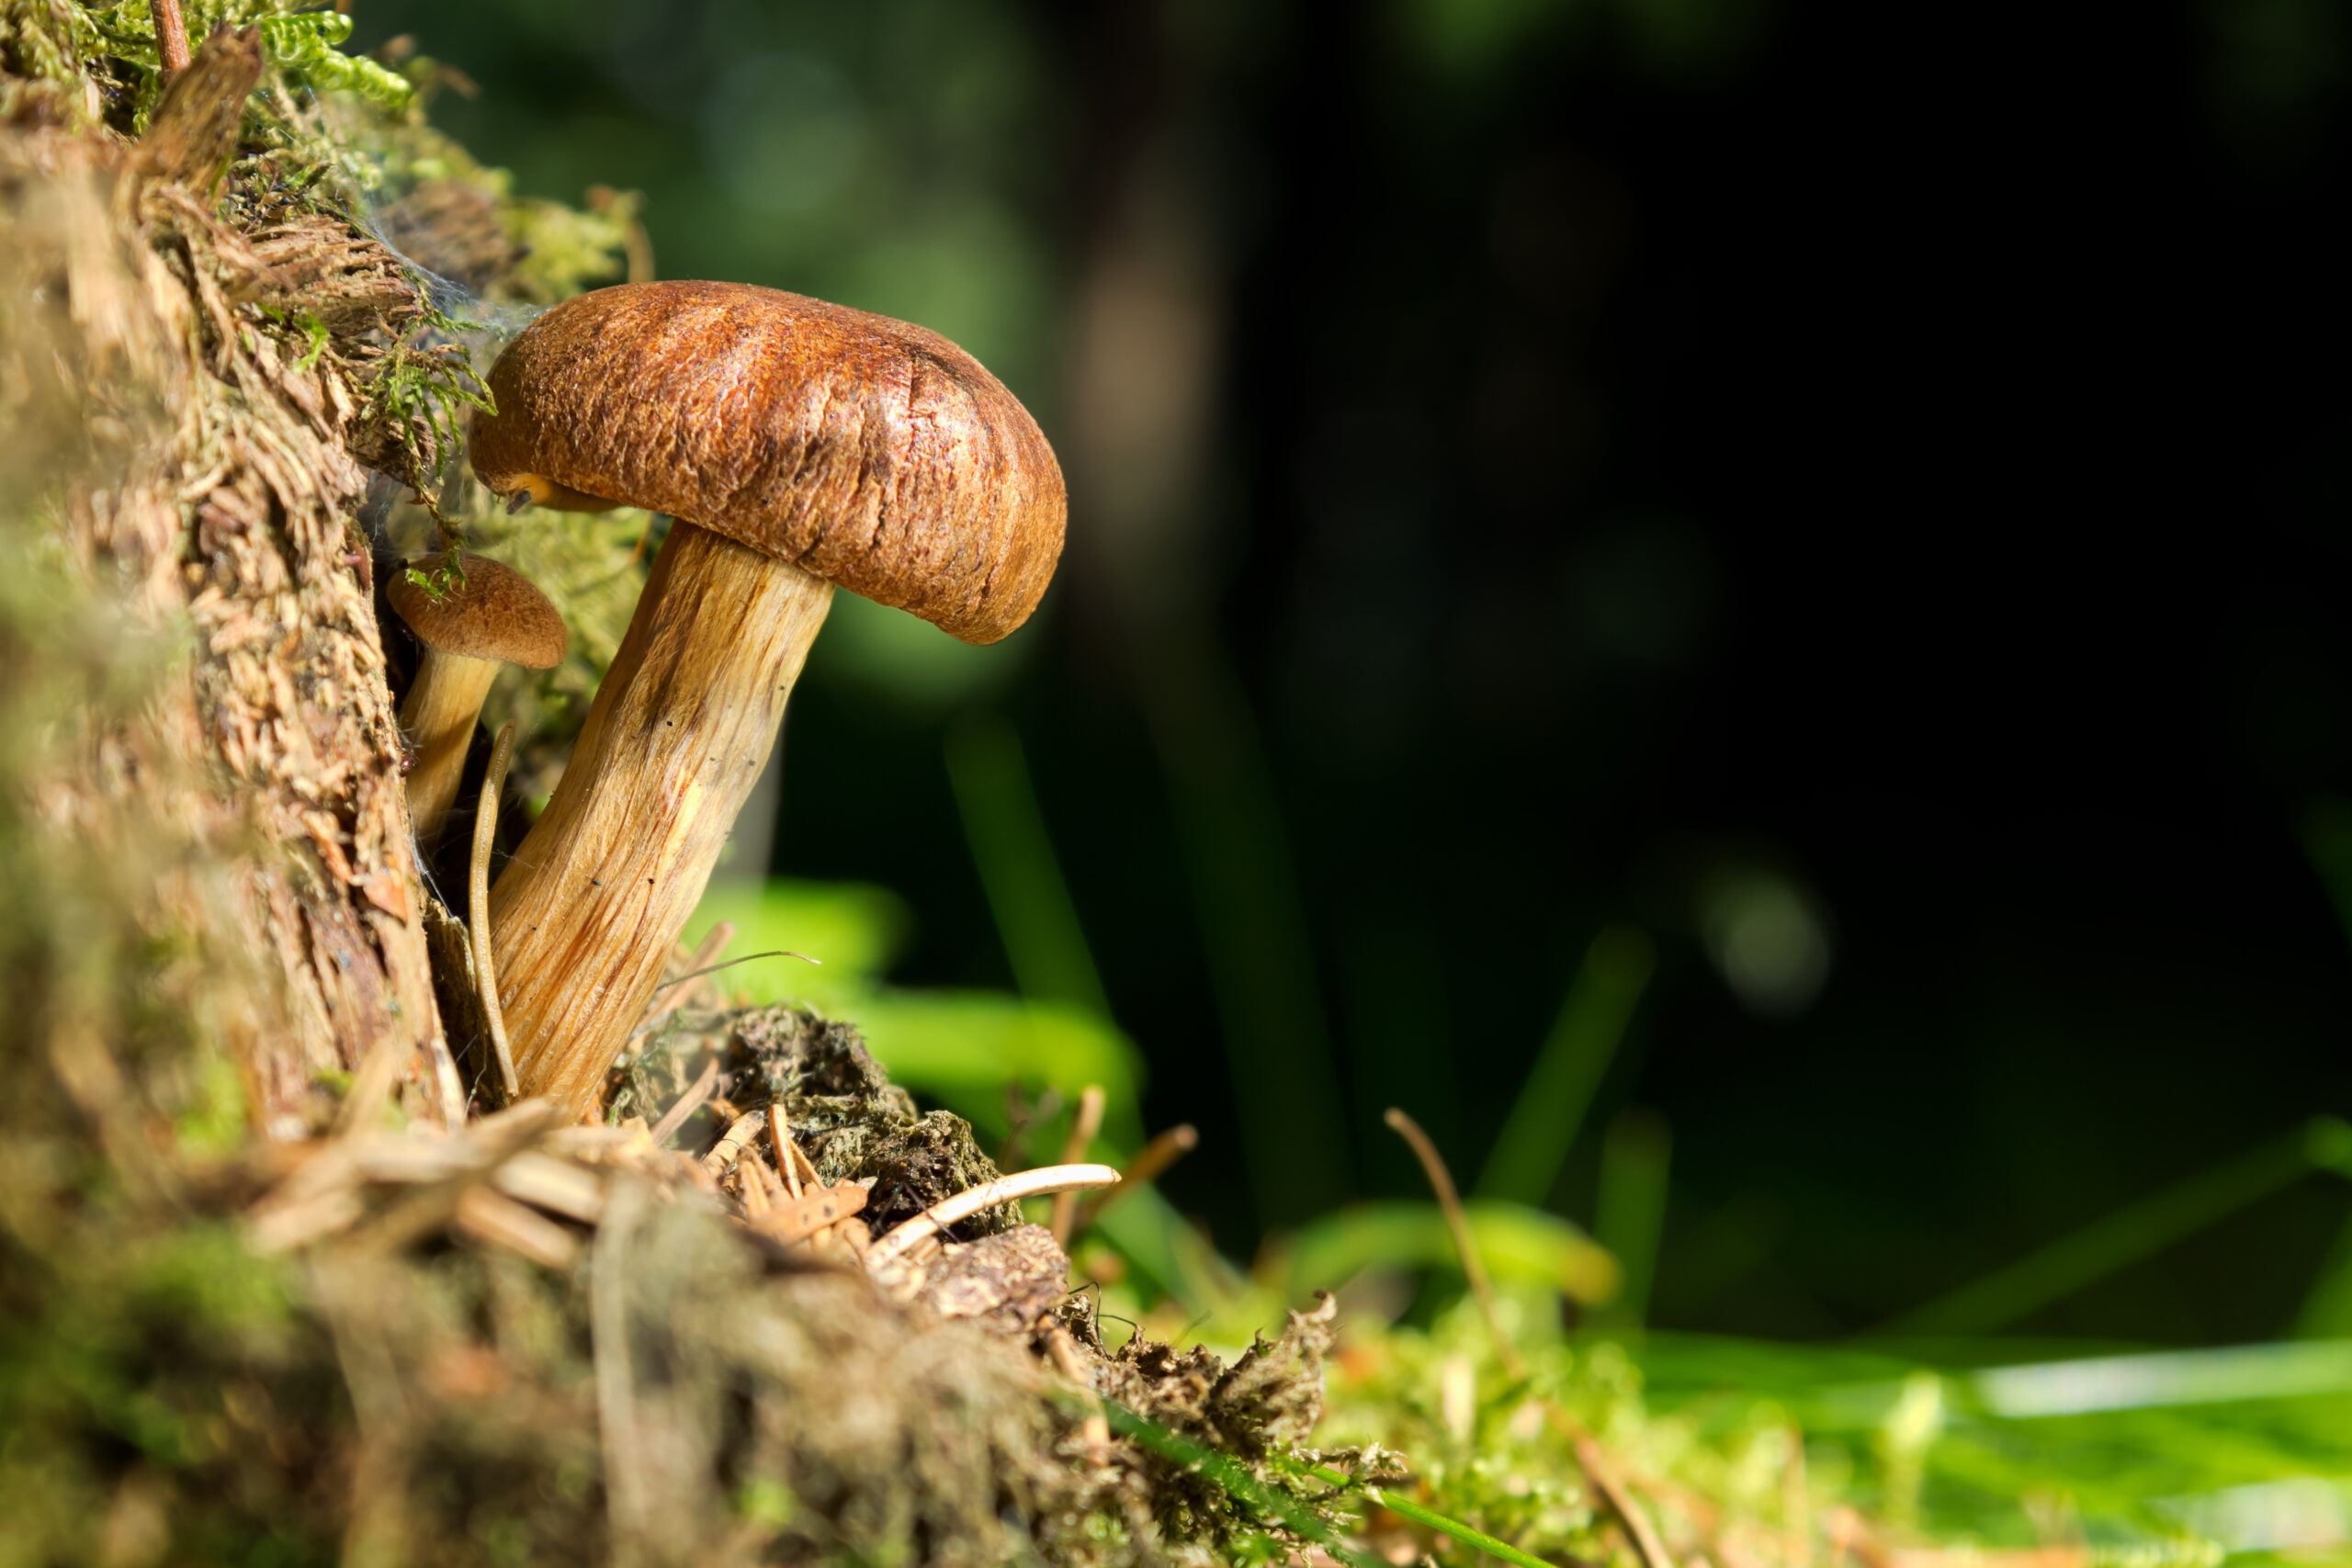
<point x="437" y="716"/>
<point x="170" y="37"/>
<point x="684" y="721"/>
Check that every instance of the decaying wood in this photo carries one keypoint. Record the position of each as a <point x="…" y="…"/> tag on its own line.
<point x="237" y="522"/>
<point x="583" y="918"/>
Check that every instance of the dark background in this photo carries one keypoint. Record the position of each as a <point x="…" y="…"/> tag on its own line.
<point x="1538" y="466"/>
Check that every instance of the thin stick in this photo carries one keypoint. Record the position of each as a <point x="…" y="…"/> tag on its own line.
<point x="171" y="36"/>
<point x="478" y="904"/>
<point x="1449" y="1203"/>
<point x="1157" y="1156"/>
<point x="688" y="1103"/>
<point x="772" y="1192"/>
<point x="1020" y="1117"/>
<point x="809" y="1176"/>
<point x="988" y="1195"/>
<point x="1084" y="1126"/>
<point x="751" y="1187"/>
<point x="1646" y="1544"/>
<point x="732" y="1143"/>
<point x="785" y="1166"/>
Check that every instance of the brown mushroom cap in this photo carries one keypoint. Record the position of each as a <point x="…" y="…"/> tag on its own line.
<point x="494" y="613"/>
<point x="865" y="451"/>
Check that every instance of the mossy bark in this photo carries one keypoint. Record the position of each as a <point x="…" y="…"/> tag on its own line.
<point x="251" y="331"/>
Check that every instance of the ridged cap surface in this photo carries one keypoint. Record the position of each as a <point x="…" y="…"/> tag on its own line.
<point x="875" y="455"/>
<point x="494" y="614"/>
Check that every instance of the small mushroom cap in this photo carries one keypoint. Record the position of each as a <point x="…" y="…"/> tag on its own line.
<point x="870" y="453"/>
<point x="494" y="614"/>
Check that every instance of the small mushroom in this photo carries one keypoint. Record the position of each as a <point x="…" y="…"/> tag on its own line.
<point x="798" y="445"/>
<point x="487" y="615"/>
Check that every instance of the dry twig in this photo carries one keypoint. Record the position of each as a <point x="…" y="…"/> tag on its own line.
<point x="732" y="1143"/>
<point x="1450" y="1203"/>
<point x="787" y="1153"/>
<point x="1084" y="1124"/>
<point x="751" y="1187"/>
<point x="478" y="904"/>
<point x="1637" y="1527"/>
<point x="688" y="1103"/>
<point x="1157" y="1156"/>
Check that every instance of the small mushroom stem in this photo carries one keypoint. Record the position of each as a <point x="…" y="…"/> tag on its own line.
<point x="437" y="716"/>
<point x="603" y="883"/>
<point x="171" y="36"/>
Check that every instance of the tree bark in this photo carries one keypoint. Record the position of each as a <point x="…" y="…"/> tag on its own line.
<point x="231" y="519"/>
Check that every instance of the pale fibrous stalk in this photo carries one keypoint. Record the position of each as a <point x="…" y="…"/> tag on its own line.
<point x="601" y="886"/>
<point x="437" y="717"/>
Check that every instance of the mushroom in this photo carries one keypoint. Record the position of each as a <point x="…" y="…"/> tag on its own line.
<point x="799" y="444"/>
<point x="487" y="615"/>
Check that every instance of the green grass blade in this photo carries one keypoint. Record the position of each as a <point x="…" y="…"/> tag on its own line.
<point x="1253" y="930"/>
<point x="2327" y="1311"/>
<point x="1431" y="1518"/>
<point x="1543" y="1121"/>
<point x="1229" y="1473"/>
<point x="1035" y="917"/>
<point x="1631" y="1215"/>
<point x="2166" y="1378"/>
<point x="2145" y="1228"/>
